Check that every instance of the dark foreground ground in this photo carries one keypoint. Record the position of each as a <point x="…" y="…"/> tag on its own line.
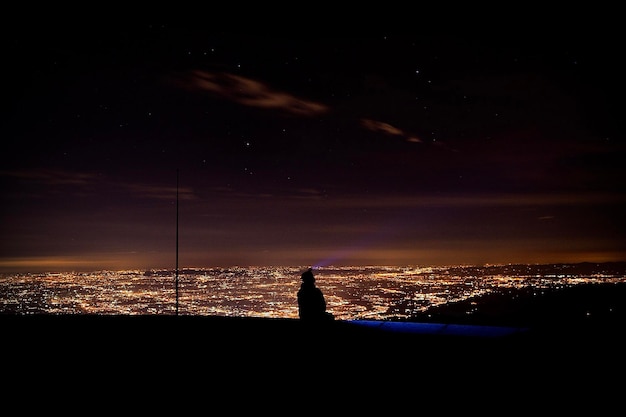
<point x="569" y="349"/>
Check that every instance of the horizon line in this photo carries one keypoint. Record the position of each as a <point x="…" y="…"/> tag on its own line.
<point x="325" y="267"/>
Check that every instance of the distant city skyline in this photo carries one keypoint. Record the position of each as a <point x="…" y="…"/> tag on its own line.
<point x="373" y="149"/>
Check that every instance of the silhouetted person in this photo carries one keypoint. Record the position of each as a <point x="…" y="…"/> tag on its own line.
<point x="311" y="301"/>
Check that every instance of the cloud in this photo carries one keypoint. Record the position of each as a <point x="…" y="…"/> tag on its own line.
<point x="53" y="177"/>
<point x="376" y="126"/>
<point x="55" y="180"/>
<point x="252" y="93"/>
<point x="475" y="200"/>
<point x="159" y="192"/>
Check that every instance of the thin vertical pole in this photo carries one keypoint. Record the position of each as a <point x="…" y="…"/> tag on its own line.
<point x="177" y="241"/>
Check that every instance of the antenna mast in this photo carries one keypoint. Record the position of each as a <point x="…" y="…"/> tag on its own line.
<point x="177" y="241"/>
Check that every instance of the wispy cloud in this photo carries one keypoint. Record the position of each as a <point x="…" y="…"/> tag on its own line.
<point x="386" y="128"/>
<point x="159" y="192"/>
<point x="82" y="182"/>
<point x="53" y="177"/>
<point x="469" y="201"/>
<point x="252" y="93"/>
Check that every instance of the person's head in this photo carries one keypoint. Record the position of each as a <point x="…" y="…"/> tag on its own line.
<point x="307" y="276"/>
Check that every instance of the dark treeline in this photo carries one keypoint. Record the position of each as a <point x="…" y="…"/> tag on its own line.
<point x="577" y="305"/>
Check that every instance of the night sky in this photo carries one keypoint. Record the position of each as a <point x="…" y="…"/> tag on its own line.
<point x="379" y="149"/>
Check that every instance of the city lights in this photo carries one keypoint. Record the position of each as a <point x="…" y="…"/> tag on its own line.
<point x="372" y="292"/>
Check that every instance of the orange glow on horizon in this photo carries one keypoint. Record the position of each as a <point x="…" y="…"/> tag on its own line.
<point x="397" y="257"/>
